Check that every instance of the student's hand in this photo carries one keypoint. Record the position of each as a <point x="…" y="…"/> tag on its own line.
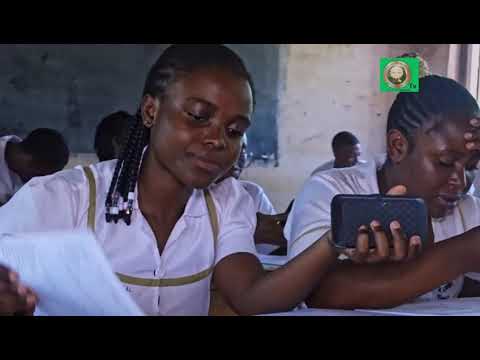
<point x="15" y="299"/>
<point x="269" y="229"/>
<point x="401" y="248"/>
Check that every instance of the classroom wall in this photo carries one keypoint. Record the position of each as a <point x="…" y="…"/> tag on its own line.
<point x="325" y="89"/>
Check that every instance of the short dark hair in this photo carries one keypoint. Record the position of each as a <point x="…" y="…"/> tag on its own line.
<point x="344" y="138"/>
<point x="112" y="126"/>
<point x="48" y="149"/>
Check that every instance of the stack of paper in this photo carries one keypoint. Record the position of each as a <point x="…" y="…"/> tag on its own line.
<point x="69" y="273"/>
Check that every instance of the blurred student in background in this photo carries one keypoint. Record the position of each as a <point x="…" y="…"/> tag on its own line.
<point x="110" y="134"/>
<point x="269" y="231"/>
<point x="346" y="151"/>
<point x="42" y="152"/>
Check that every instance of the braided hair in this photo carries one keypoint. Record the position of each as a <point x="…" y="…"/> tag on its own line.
<point x="439" y="99"/>
<point x="424" y="67"/>
<point x="175" y="60"/>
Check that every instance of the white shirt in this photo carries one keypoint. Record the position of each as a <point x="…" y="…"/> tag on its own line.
<point x="263" y="206"/>
<point x="10" y="182"/>
<point x="260" y="199"/>
<point x="61" y="201"/>
<point x="329" y="165"/>
<point x="311" y="212"/>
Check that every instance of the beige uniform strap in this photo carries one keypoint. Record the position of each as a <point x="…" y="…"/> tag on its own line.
<point x="92" y="197"/>
<point x="212" y="213"/>
<point x="462" y="218"/>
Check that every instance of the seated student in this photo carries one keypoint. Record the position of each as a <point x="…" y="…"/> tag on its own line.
<point x="166" y="231"/>
<point x="427" y="153"/>
<point x="260" y="198"/>
<point x="110" y="134"/>
<point x="42" y="152"/>
<point x="269" y="230"/>
<point x="424" y="70"/>
<point x="346" y="150"/>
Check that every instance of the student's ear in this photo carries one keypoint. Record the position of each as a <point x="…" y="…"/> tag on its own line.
<point x="397" y="146"/>
<point x="150" y="106"/>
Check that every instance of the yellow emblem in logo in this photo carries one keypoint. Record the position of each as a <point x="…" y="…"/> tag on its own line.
<point x="397" y="74"/>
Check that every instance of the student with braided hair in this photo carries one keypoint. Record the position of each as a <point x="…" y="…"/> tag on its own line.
<point x="164" y="228"/>
<point x="431" y="140"/>
<point x="424" y="70"/>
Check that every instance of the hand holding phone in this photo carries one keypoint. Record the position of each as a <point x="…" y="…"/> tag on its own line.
<point x="391" y="227"/>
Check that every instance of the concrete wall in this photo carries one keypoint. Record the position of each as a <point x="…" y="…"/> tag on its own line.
<point x="326" y="89"/>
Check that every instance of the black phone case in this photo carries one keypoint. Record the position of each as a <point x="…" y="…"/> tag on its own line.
<point x="349" y="212"/>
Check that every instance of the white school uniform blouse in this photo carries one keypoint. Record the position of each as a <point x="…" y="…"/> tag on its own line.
<point x="260" y="200"/>
<point x="10" y="182"/>
<point x="61" y="201"/>
<point x="329" y="165"/>
<point x="310" y="216"/>
<point x="262" y="205"/>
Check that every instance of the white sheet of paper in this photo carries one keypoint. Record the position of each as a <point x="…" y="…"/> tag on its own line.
<point x="322" y="312"/>
<point x="69" y="273"/>
<point x="272" y="262"/>
<point x="453" y="307"/>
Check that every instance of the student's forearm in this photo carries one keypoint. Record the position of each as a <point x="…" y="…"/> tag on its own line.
<point x="350" y="286"/>
<point x="283" y="289"/>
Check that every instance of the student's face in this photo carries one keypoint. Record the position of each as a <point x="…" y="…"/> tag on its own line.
<point x="198" y="125"/>
<point x="348" y="155"/>
<point x="435" y="169"/>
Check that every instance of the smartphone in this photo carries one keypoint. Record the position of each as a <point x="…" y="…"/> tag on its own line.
<point x="349" y="212"/>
